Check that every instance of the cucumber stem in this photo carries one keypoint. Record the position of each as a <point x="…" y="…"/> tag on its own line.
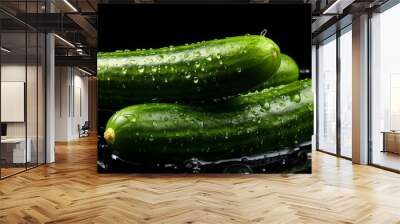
<point x="264" y="32"/>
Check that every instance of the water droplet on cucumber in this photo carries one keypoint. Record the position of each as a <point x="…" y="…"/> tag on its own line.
<point x="124" y="71"/>
<point x="296" y="98"/>
<point x="267" y="106"/>
<point x="141" y="69"/>
<point x="226" y="135"/>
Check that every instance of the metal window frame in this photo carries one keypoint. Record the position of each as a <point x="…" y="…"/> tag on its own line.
<point x="381" y="9"/>
<point x="387" y="5"/>
<point x="339" y="32"/>
<point x="317" y="93"/>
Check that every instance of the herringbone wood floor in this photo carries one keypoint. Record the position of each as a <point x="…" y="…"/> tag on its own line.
<point x="70" y="191"/>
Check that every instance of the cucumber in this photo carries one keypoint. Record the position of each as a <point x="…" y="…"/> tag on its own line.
<point x="258" y="122"/>
<point x="287" y="72"/>
<point x="204" y="70"/>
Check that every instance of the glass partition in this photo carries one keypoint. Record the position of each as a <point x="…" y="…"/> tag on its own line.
<point x="385" y="89"/>
<point x="327" y="95"/>
<point x="15" y="151"/>
<point x="22" y="107"/>
<point x="33" y="72"/>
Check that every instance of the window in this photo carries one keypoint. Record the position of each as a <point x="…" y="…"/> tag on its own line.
<point x="327" y="95"/>
<point x="385" y="89"/>
<point x="346" y="92"/>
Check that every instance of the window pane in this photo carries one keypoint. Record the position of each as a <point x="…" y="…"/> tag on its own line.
<point x="346" y="94"/>
<point x="327" y="96"/>
<point x="385" y="84"/>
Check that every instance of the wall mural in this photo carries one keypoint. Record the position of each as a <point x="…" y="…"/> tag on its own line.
<point x="204" y="88"/>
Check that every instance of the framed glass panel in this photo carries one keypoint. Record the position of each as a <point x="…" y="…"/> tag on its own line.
<point x="327" y="95"/>
<point x="15" y="151"/>
<point x="22" y="88"/>
<point x="385" y="89"/>
<point x="32" y="86"/>
<point x="346" y="92"/>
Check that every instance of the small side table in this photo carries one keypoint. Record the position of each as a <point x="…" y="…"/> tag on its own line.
<point x="391" y="141"/>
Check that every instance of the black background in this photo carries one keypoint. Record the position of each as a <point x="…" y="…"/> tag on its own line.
<point x="158" y="25"/>
<point x="139" y="26"/>
<point x="134" y="26"/>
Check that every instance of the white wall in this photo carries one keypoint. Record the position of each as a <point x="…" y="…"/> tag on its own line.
<point x="71" y="87"/>
<point x="14" y="72"/>
<point x="62" y="82"/>
<point x="81" y="89"/>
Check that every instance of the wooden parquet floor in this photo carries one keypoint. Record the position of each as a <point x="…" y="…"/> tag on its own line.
<point x="71" y="191"/>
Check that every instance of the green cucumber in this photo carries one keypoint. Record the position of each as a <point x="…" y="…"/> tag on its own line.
<point x="287" y="72"/>
<point x="253" y="123"/>
<point x="204" y="70"/>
